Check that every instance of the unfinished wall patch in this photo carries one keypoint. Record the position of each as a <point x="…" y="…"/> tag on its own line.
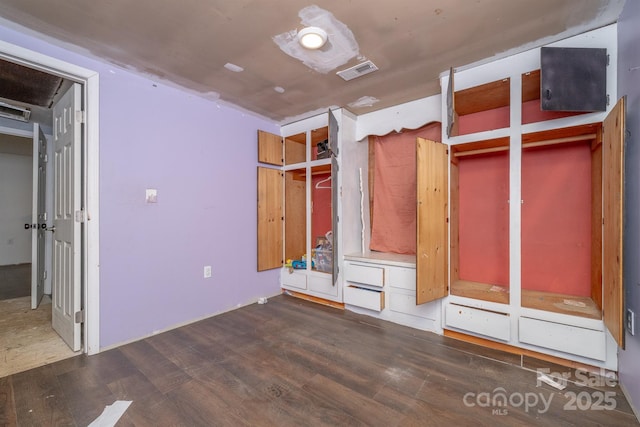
<point x="341" y="45"/>
<point x="365" y="101"/>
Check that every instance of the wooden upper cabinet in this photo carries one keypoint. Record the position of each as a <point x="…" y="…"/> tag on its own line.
<point x="432" y="199"/>
<point x="270" y="218"/>
<point x="270" y="148"/>
<point x="613" y="207"/>
<point x="295" y="149"/>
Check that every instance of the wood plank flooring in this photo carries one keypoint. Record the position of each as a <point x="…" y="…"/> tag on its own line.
<point x="26" y="337"/>
<point x="294" y="363"/>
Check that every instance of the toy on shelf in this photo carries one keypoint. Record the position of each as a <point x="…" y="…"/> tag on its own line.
<point x="301" y="264"/>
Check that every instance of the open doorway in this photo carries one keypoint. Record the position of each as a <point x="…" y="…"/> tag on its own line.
<point x="16" y="166"/>
<point x="27" y="101"/>
<point x="84" y="214"/>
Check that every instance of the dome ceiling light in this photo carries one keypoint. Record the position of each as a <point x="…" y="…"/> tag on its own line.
<point x="312" y="37"/>
<point x="328" y="55"/>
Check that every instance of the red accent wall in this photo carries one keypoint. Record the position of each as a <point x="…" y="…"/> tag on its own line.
<point x="499" y="118"/>
<point x="321" y="215"/>
<point x="556" y="219"/>
<point x="484" y="218"/>
<point x="531" y="113"/>
<point x="393" y="228"/>
<point x="483" y="121"/>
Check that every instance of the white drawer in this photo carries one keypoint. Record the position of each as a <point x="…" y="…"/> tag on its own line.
<point x="294" y="279"/>
<point x="403" y="278"/>
<point x="366" y="274"/>
<point x="488" y="323"/>
<point x="366" y="298"/>
<point x="569" y="339"/>
<point x="401" y="303"/>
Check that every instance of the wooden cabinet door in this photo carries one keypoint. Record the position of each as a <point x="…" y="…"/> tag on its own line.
<point x="270" y="218"/>
<point x="432" y="198"/>
<point x="270" y="148"/>
<point x="613" y="207"/>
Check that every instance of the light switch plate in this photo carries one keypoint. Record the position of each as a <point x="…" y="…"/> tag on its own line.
<point x="151" y="195"/>
<point x="631" y="322"/>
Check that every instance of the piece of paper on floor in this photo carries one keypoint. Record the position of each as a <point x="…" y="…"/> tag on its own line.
<point x="111" y="414"/>
<point x="552" y="382"/>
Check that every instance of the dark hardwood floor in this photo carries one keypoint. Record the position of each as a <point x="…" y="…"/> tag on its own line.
<point x="294" y="363"/>
<point x="15" y="281"/>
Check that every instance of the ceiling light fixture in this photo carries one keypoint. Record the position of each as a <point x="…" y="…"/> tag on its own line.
<point x="312" y="37"/>
<point x="233" y="67"/>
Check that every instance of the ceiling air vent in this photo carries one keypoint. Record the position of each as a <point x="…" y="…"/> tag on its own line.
<point x="361" y="69"/>
<point x="14" y="112"/>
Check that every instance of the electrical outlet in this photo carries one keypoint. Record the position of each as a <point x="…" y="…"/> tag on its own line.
<point x="631" y="321"/>
<point x="207" y="271"/>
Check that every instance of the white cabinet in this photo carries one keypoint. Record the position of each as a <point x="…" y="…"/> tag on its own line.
<point x="534" y="212"/>
<point x="383" y="285"/>
<point x="299" y="203"/>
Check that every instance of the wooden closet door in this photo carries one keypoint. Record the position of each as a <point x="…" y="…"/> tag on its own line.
<point x="432" y="198"/>
<point x="613" y="208"/>
<point x="270" y="218"/>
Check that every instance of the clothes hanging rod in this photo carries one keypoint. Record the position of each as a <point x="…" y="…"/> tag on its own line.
<point x="543" y="143"/>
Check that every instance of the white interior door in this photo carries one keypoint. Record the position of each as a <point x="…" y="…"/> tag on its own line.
<point x="39" y="216"/>
<point x="66" y="236"/>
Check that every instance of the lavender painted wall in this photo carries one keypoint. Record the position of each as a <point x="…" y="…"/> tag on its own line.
<point x="629" y="84"/>
<point x="201" y="157"/>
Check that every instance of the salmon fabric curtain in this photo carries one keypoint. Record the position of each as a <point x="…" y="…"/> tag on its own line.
<point x="393" y="227"/>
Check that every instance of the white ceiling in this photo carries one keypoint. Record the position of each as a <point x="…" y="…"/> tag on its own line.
<point x="188" y="42"/>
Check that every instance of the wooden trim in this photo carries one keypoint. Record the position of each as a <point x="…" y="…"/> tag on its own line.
<point x="531" y="86"/>
<point x="519" y="351"/>
<point x="301" y="174"/>
<point x="316" y="300"/>
<point x="555" y="141"/>
<point x="484" y="97"/>
<point x="480" y="151"/>
<point x="596" y="223"/>
<point x="454" y="222"/>
<point x="532" y="144"/>
<point x="586" y="131"/>
<point x="539" y="300"/>
<point x="502" y="142"/>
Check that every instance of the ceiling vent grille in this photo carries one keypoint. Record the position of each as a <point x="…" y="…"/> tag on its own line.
<point x="14" y="112"/>
<point x="361" y="69"/>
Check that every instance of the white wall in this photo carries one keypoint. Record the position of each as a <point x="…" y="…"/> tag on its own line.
<point x="15" y="208"/>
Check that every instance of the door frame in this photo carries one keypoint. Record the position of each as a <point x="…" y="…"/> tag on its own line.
<point x="89" y="80"/>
